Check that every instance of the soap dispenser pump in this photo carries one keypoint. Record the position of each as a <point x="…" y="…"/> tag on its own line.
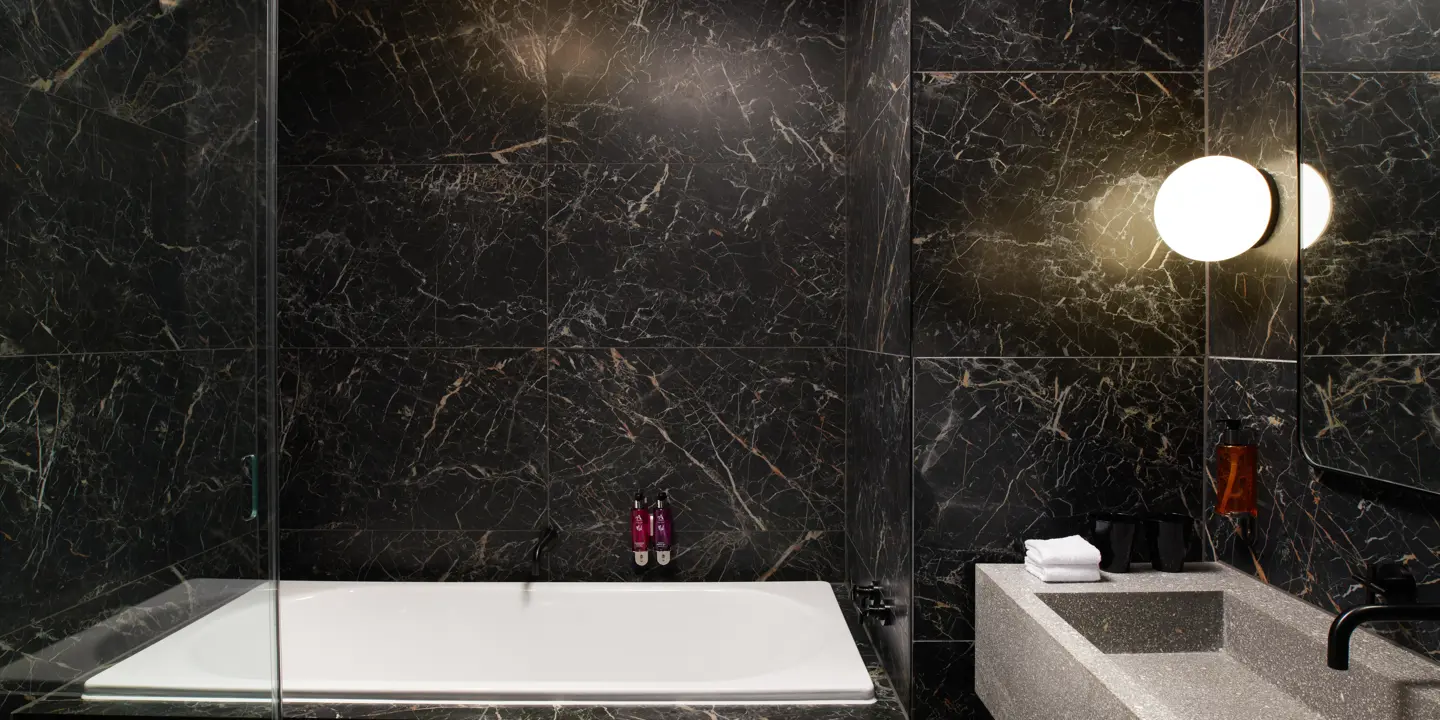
<point x="1235" y="461"/>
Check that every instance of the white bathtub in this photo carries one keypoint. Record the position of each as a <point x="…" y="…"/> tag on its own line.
<point x="501" y="643"/>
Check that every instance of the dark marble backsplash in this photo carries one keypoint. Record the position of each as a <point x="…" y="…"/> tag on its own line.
<point x="1021" y="448"/>
<point x="1316" y="529"/>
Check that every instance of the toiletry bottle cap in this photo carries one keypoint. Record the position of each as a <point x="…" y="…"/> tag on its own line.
<point x="662" y="500"/>
<point x="1233" y="429"/>
<point x="639" y="500"/>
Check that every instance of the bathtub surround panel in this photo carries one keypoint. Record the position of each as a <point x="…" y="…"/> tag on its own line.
<point x="1013" y="449"/>
<point x="1021" y="250"/>
<point x="696" y="81"/>
<point x="1373" y="415"/>
<point x="879" y="523"/>
<point x="115" y="466"/>
<point x="686" y="255"/>
<point x="72" y="642"/>
<point x="1371" y="286"/>
<point x="1382" y="35"/>
<point x="1252" y="116"/>
<point x="412" y="256"/>
<point x="382" y="81"/>
<point x="740" y="439"/>
<point x="406" y="555"/>
<point x="1058" y="35"/>
<point x="704" y="556"/>
<point x="412" y="439"/>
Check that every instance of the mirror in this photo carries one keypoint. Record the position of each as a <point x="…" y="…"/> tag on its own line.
<point x="1370" y="282"/>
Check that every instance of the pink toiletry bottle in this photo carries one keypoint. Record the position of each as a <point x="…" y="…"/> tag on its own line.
<point x="664" y="531"/>
<point x="640" y="531"/>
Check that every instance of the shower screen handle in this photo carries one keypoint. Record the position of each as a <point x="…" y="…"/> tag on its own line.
<point x="252" y="469"/>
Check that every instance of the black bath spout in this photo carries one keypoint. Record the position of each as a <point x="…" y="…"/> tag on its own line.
<point x="1337" y="652"/>
<point x="547" y="536"/>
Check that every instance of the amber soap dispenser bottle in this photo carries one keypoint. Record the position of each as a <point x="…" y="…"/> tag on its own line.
<point x="1235" y="468"/>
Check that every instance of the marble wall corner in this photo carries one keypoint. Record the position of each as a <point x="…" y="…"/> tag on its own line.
<point x="878" y="525"/>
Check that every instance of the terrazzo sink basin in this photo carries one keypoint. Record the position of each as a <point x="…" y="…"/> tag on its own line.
<point x="1210" y="643"/>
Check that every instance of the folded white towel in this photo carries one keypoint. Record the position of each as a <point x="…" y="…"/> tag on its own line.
<point x="1071" y="550"/>
<point x="1063" y="573"/>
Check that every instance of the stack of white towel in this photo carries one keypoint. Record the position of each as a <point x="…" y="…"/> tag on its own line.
<point x="1068" y="559"/>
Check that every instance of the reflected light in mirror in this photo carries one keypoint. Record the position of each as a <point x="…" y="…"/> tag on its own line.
<point x="1315" y="205"/>
<point x="1214" y="208"/>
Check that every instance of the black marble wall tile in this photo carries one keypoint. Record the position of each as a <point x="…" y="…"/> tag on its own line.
<point x="878" y="215"/>
<point x="1370" y="286"/>
<point x="748" y="81"/>
<point x="104" y="248"/>
<point x="1012" y="449"/>
<point x="878" y="168"/>
<point x="1316" y="530"/>
<point x="945" y="683"/>
<point x="703" y="556"/>
<point x="878" y="526"/>
<point x="877" y="62"/>
<point x="186" y="69"/>
<point x="1032" y="200"/>
<point x="1237" y="27"/>
<point x="1374" y="415"/>
<point x="408" y="556"/>
<point x="1058" y="35"/>
<point x="1373" y="35"/>
<point x="412" y="439"/>
<point x="666" y="255"/>
<point x="116" y="465"/>
<point x="1252" y="105"/>
<point x="747" y="440"/>
<point x="1260" y="394"/>
<point x="379" y="81"/>
<point x="412" y="256"/>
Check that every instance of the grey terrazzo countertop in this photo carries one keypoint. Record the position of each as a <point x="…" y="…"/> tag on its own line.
<point x="886" y="707"/>
<point x="1211" y="642"/>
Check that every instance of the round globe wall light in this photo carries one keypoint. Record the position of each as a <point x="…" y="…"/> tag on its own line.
<point x="1315" y="205"/>
<point x="1214" y="208"/>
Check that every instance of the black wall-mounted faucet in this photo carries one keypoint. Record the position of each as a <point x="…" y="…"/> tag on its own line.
<point x="547" y="536"/>
<point x="1389" y="584"/>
